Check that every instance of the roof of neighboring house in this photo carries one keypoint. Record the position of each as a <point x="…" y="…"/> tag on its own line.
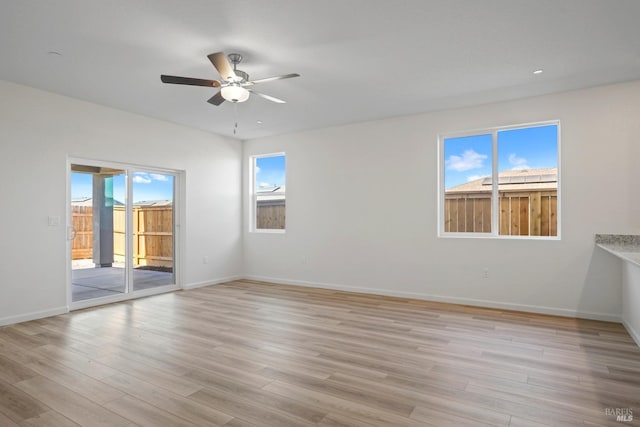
<point x="512" y="180"/>
<point x="271" y="193"/>
<point x="88" y="201"/>
<point x="81" y="201"/>
<point x="153" y="203"/>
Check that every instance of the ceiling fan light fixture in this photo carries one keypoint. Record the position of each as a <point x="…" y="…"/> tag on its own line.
<point x="235" y="93"/>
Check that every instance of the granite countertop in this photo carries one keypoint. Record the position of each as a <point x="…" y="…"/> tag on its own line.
<point x="624" y="246"/>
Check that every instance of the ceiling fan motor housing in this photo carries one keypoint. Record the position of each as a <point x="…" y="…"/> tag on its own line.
<point x="244" y="77"/>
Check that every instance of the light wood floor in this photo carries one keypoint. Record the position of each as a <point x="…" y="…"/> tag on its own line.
<point x="255" y="354"/>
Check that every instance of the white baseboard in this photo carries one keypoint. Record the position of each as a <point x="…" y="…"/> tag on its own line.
<point x="448" y="299"/>
<point x="204" y="283"/>
<point x="10" y="320"/>
<point x="634" y="334"/>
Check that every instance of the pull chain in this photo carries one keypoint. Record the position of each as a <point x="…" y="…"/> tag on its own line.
<point x="235" y="115"/>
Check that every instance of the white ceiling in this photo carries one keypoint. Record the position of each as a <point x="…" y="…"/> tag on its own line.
<point x="358" y="59"/>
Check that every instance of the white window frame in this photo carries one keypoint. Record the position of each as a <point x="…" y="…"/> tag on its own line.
<point x="494" y="234"/>
<point x="253" y="211"/>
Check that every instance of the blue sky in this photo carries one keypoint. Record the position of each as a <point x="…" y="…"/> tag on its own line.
<point x="469" y="158"/>
<point x="146" y="186"/>
<point x="270" y="171"/>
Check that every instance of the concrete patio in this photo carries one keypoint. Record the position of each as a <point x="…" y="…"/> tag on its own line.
<point x="90" y="282"/>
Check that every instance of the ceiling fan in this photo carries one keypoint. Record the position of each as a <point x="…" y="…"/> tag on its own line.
<point x="234" y="85"/>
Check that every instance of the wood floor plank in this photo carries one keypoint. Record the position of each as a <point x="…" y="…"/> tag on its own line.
<point x="521" y="422"/>
<point x="12" y="372"/>
<point x="76" y="360"/>
<point x="246" y="409"/>
<point x="365" y="392"/>
<point x="357" y="410"/>
<point x="254" y="354"/>
<point x="302" y="364"/>
<point x="524" y="406"/>
<point x="144" y="414"/>
<point x="228" y="386"/>
<point x="168" y="401"/>
<point x="84" y="385"/>
<point x="237" y="422"/>
<point x="339" y="420"/>
<point x="18" y="405"/>
<point x="70" y="404"/>
<point x="49" y="419"/>
<point x="6" y="421"/>
<point x="450" y="418"/>
<point x="177" y="384"/>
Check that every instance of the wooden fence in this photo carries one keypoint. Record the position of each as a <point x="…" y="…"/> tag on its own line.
<point x="270" y="214"/>
<point x="521" y="214"/>
<point x="152" y="234"/>
<point x="82" y="222"/>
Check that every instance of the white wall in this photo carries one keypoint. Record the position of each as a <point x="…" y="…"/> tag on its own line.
<point x="361" y="209"/>
<point x="39" y="130"/>
<point x="631" y="299"/>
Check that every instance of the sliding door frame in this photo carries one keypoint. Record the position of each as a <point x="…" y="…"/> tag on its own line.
<point x="178" y="244"/>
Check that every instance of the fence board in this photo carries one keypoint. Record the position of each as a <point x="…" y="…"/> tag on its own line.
<point x="524" y="205"/>
<point x="486" y="215"/>
<point x="514" y="215"/>
<point x="469" y="214"/>
<point x="453" y="215"/>
<point x="504" y="219"/>
<point x="478" y="216"/>
<point x="553" y="213"/>
<point x="534" y="213"/>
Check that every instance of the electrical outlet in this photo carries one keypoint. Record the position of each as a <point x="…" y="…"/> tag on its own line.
<point x="485" y="273"/>
<point x="53" y="221"/>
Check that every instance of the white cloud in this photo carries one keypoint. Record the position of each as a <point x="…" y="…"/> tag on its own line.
<point x="257" y="168"/>
<point x="264" y="185"/>
<point x="469" y="160"/>
<point x="474" y="177"/>
<point x="141" y="179"/>
<point x="158" y="177"/>
<point x="518" y="163"/>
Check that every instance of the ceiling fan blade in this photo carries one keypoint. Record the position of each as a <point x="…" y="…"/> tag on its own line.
<point x="220" y="61"/>
<point x="269" y="97"/>
<point x="189" y="81"/>
<point x="216" y="99"/>
<point x="269" y="79"/>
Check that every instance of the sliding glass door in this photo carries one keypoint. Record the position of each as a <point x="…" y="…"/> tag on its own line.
<point x="122" y="233"/>
<point x="153" y="225"/>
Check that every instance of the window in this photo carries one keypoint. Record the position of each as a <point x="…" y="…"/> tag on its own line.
<point x="268" y="194"/>
<point x="500" y="182"/>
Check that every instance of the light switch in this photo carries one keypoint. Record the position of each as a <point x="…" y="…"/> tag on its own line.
<point x="53" y="221"/>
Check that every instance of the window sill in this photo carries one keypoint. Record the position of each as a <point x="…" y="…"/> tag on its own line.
<point x="489" y="236"/>
<point x="268" y="231"/>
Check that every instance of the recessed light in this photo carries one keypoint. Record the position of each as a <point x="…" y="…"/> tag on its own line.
<point x="54" y="53"/>
<point x="538" y="71"/>
<point x="259" y="122"/>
